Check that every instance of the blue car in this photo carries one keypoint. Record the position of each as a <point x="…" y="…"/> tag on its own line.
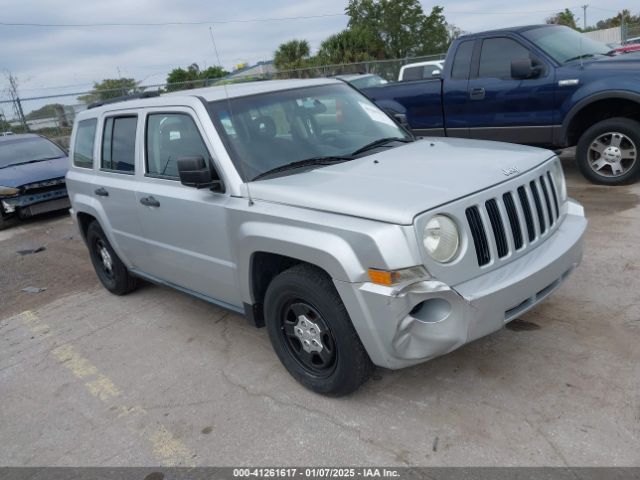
<point x="32" y="170"/>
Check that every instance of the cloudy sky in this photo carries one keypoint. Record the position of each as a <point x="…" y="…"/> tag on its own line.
<point x="51" y="60"/>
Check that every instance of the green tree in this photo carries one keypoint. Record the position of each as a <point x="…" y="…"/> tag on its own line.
<point x="565" y="17"/>
<point x="110" y="88"/>
<point x="47" y="111"/>
<point x="192" y="77"/>
<point x="4" y="125"/>
<point x="401" y="26"/>
<point x="618" y="20"/>
<point x="292" y="54"/>
<point x="349" y="46"/>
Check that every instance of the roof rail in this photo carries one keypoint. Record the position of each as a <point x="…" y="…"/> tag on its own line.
<point x="124" y="98"/>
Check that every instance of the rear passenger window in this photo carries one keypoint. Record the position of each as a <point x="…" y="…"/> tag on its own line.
<point x="119" y="144"/>
<point x="462" y="62"/>
<point x="83" y="146"/>
<point x="169" y="137"/>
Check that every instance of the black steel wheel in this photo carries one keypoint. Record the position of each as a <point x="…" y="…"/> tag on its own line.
<point x="111" y="272"/>
<point x="312" y="334"/>
<point x="308" y="337"/>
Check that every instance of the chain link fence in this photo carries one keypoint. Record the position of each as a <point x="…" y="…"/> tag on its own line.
<point x="631" y="31"/>
<point x="53" y="115"/>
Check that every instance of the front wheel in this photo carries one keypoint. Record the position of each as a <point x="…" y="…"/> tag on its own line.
<point x="111" y="272"/>
<point x="312" y="334"/>
<point x="607" y="153"/>
<point x="7" y="221"/>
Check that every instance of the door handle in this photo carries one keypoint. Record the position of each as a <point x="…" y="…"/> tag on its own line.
<point x="101" y="192"/>
<point x="149" y="202"/>
<point x="477" y="93"/>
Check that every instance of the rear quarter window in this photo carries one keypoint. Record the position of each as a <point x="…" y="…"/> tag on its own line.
<point x="83" y="146"/>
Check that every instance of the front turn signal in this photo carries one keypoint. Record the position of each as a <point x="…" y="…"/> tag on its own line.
<point x="389" y="278"/>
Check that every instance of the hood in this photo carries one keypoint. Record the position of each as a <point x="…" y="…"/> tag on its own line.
<point x="399" y="183"/>
<point x="624" y="61"/>
<point x="18" y="175"/>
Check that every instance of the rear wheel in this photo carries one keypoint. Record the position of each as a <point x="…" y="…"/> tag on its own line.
<point x="111" y="271"/>
<point x="607" y="153"/>
<point x="312" y="334"/>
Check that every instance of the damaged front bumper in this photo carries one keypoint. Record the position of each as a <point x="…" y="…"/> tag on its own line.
<point x="402" y="327"/>
<point x="29" y="204"/>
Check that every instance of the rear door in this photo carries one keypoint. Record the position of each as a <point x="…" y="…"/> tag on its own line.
<point x="115" y="182"/>
<point x="184" y="228"/>
<point x="454" y="93"/>
<point x="502" y="108"/>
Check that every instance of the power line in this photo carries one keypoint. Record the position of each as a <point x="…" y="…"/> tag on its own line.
<point x="498" y="12"/>
<point x="165" y="24"/>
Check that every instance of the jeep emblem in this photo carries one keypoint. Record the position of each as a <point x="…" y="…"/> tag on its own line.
<point x="510" y="171"/>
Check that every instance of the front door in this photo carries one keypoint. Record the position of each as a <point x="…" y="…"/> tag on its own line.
<point x="507" y="109"/>
<point x="185" y="228"/>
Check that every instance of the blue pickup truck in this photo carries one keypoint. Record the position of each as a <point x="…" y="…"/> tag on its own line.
<point x="543" y="85"/>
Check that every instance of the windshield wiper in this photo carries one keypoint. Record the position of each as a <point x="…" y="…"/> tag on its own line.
<point x="578" y="57"/>
<point x="308" y="162"/>
<point x="380" y="142"/>
<point x="29" y="161"/>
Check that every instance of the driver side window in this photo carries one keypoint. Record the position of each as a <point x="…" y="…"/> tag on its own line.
<point x="496" y="57"/>
<point x="170" y="136"/>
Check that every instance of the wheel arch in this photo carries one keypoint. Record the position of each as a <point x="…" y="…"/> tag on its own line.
<point x="265" y="250"/>
<point x="595" y="108"/>
<point x="88" y="209"/>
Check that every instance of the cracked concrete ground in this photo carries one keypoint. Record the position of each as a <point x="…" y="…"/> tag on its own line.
<point x="160" y="378"/>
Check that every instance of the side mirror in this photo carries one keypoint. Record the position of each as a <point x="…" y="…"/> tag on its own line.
<point x="436" y="74"/>
<point x="523" y="68"/>
<point x="194" y="172"/>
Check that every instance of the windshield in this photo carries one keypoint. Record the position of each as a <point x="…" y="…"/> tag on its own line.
<point x="367" y="81"/>
<point x="21" y="150"/>
<point x="269" y="130"/>
<point x="564" y="43"/>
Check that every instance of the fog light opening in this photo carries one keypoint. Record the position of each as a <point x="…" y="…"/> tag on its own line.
<point x="431" y="311"/>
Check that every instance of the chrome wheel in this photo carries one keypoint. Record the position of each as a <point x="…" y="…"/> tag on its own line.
<point x="612" y="154"/>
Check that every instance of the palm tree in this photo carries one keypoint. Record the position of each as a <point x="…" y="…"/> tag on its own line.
<point x="292" y="54"/>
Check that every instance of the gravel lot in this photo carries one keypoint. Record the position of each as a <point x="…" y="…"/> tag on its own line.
<point x="160" y="378"/>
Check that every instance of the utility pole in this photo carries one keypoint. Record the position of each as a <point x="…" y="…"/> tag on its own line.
<point x="584" y="16"/>
<point x="17" y="105"/>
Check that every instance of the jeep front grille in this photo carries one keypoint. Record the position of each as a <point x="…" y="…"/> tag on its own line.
<point x="498" y="224"/>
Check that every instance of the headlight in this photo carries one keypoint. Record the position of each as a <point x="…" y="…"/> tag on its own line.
<point x="8" y="191"/>
<point x="558" y="179"/>
<point x="441" y="238"/>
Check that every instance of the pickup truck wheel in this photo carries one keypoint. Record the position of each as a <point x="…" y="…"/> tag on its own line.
<point x="110" y="270"/>
<point x="607" y="153"/>
<point x="312" y="334"/>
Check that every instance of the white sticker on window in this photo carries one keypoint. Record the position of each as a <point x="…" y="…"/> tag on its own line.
<point x="376" y="114"/>
<point x="174" y="135"/>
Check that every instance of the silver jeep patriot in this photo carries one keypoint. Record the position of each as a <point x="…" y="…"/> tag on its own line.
<point x="305" y="207"/>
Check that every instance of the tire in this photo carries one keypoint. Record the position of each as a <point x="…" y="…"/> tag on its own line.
<point x="111" y="272"/>
<point x="304" y="297"/>
<point x="607" y="153"/>
<point x="7" y="221"/>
